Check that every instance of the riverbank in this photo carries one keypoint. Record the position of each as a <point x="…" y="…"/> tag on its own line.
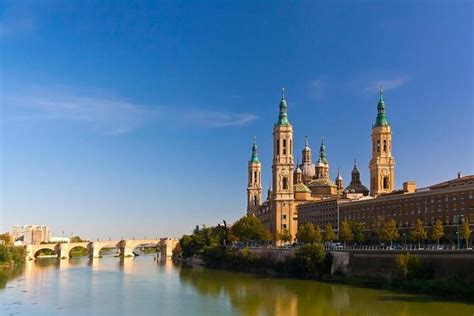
<point x="413" y="274"/>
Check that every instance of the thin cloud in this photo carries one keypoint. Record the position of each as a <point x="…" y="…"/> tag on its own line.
<point x="317" y="88"/>
<point x="387" y="84"/>
<point x="108" y="114"/>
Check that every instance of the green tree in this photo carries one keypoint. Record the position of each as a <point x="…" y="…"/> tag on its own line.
<point x="285" y="236"/>
<point x="317" y="234"/>
<point x="5" y="255"/>
<point x="76" y="239"/>
<point x="345" y="232"/>
<point x="390" y="231"/>
<point x="250" y="228"/>
<point x="6" y="237"/>
<point x="358" y="231"/>
<point x="438" y="230"/>
<point x="466" y="232"/>
<point x="306" y="233"/>
<point x="310" y="255"/>
<point x="330" y="235"/>
<point x="418" y="233"/>
<point x="378" y="226"/>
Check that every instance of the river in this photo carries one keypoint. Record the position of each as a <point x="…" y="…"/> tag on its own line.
<point x="141" y="286"/>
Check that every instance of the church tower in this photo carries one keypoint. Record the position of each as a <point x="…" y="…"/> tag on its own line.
<point x="254" y="187"/>
<point x="382" y="164"/>
<point x="283" y="211"/>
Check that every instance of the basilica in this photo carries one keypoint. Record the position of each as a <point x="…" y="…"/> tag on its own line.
<point x="307" y="182"/>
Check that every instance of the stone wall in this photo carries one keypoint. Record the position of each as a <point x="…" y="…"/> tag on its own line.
<point x="382" y="263"/>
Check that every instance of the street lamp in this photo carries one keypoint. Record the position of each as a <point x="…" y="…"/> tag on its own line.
<point x="458" y="222"/>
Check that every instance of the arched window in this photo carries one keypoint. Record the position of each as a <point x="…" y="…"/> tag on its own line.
<point x="384" y="145"/>
<point x="285" y="183"/>
<point x="385" y="183"/>
<point x="284" y="146"/>
<point x="278" y="146"/>
<point x="255" y="177"/>
<point x="378" y="146"/>
<point x="255" y="200"/>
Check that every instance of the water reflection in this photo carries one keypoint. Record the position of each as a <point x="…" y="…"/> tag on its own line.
<point x="252" y="295"/>
<point x="142" y="286"/>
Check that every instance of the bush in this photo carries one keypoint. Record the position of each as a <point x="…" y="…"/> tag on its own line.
<point x="309" y="259"/>
<point x="5" y="254"/>
<point x="411" y="267"/>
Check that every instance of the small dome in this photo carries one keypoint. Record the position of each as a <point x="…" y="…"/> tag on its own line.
<point x="301" y="187"/>
<point x="298" y="170"/>
<point x="320" y="163"/>
<point x="323" y="182"/>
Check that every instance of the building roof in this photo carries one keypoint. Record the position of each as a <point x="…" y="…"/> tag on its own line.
<point x="323" y="182"/>
<point x="301" y="187"/>
<point x="453" y="182"/>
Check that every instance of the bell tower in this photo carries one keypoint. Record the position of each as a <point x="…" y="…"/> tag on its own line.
<point x="382" y="164"/>
<point x="254" y="187"/>
<point x="283" y="211"/>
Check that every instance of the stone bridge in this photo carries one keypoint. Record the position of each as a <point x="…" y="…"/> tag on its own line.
<point x="125" y="247"/>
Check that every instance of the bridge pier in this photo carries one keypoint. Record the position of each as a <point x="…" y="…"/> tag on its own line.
<point x="127" y="251"/>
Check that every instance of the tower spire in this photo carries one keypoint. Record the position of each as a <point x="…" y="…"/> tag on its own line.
<point x="381" y="116"/>
<point x="254" y="151"/>
<point x="283" y="117"/>
<point x="322" y="152"/>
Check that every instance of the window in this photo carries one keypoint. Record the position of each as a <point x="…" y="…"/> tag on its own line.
<point x="284" y="216"/>
<point x="285" y="183"/>
<point x="255" y="200"/>
<point x="255" y="177"/>
<point x="385" y="183"/>
<point x="284" y="226"/>
<point x="378" y="146"/>
<point x="284" y="147"/>
<point x="384" y="145"/>
<point x="278" y="146"/>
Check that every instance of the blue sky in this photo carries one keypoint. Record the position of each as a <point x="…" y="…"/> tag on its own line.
<point x="136" y="119"/>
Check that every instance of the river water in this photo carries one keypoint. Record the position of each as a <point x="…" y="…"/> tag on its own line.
<point x="141" y="286"/>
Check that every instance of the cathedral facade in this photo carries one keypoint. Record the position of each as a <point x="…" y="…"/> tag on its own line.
<point x="307" y="182"/>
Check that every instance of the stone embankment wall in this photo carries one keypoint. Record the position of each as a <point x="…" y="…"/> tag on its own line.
<point x="382" y="263"/>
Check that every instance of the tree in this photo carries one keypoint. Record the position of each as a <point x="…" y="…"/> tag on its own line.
<point x="418" y="233"/>
<point x="438" y="231"/>
<point x="330" y="235"/>
<point x="345" y="232"/>
<point x="378" y="226"/>
<point x="306" y="233"/>
<point x="311" y="256"/>
<point x="6" y="237"/>
<point x="358" y="231"/>
<point x="250" y="228"/>
<point x="285" y="236"/>
<point x="390" y="231"/>
<point x="317" y="234"/>
<point x="466" y="232"/>
<point x="76" y="239"/>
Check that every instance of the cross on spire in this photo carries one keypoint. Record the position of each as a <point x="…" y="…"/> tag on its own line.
<point x="282" y="93"/>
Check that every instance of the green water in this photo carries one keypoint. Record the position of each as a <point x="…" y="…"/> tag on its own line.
<point x="141" y="286"/>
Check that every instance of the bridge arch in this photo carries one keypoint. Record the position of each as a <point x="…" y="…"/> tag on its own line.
<point x="52" y="248"/>
<point x="78" y="251"/>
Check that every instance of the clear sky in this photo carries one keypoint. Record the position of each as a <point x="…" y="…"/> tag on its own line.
<point x="137" y="119"/>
